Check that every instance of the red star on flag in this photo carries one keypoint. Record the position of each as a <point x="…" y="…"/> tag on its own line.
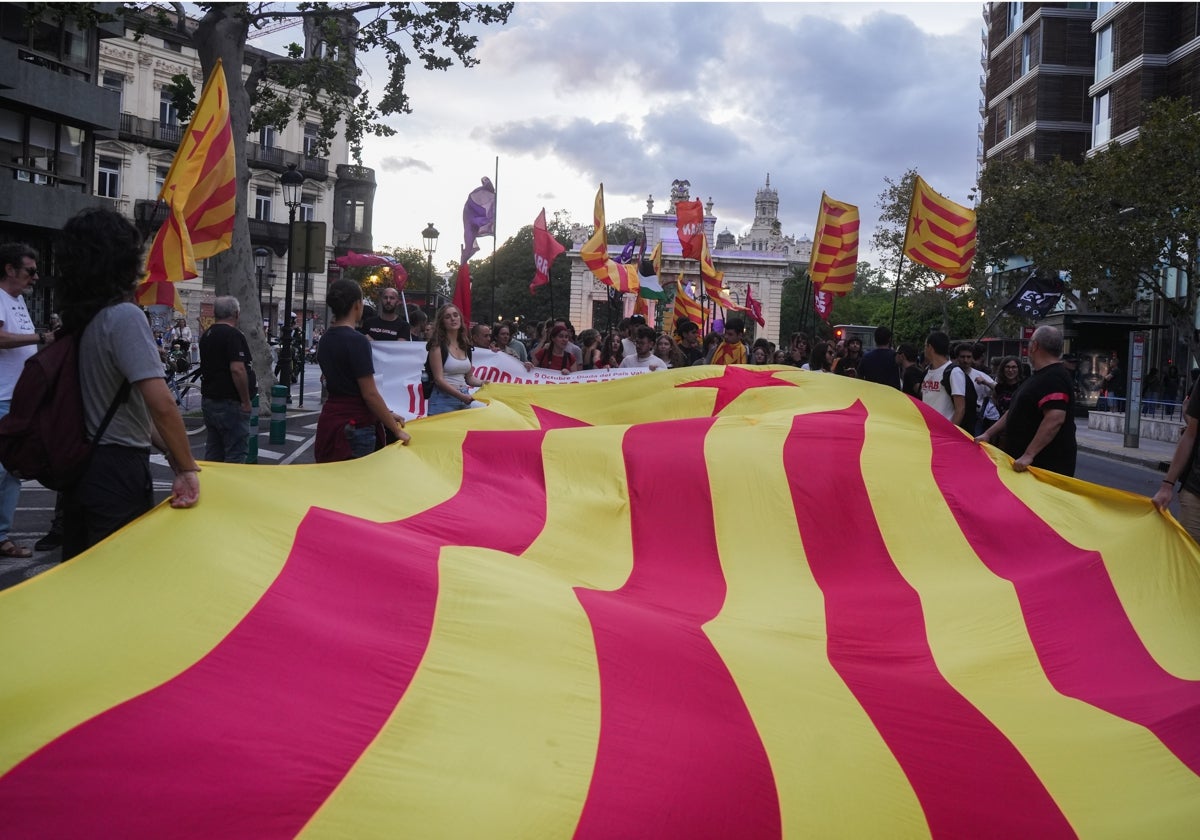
<point x="735" y="381"/>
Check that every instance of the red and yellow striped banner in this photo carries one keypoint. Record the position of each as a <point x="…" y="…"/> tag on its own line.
<point x="940" y="235"/>
<point x="390" y="648"/>
<point x="594" y="253"/>
<point x="834" y="261"/>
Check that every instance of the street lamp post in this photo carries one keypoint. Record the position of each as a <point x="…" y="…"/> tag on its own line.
<point x="260" y="264"/>
<point x="291" y="181"/>
<point x="430" y="236"/>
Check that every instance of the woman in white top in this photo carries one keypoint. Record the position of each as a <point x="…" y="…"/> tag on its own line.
<point x="821" y="359"/>
<point x="453" y="378"/>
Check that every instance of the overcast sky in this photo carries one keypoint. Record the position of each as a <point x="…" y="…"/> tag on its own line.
<point x="832" y="97"/>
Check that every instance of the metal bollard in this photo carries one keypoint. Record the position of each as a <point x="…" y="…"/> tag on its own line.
<point x="252" y="442"/>
<point x="278" y="414"/>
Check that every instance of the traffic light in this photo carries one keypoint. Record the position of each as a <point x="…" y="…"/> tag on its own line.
<point x="838" y="334"/>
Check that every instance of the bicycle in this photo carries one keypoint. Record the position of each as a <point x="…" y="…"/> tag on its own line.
<point x="182" y="385"/>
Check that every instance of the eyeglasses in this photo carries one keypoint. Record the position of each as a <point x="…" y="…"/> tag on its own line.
<point x="32" y="272"/>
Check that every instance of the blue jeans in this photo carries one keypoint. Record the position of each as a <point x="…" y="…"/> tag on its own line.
<point x="10" y="489"/>
<point x="362" y="441"/>
<point x="228" y="430"/>
<point x="441" y="403"/>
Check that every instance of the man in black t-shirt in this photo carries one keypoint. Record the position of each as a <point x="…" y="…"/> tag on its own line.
<point x="388" y="325"/>
<point x="1038" y="429"/>
<point x="879" y="365"/>
<point x="227" y="383"/>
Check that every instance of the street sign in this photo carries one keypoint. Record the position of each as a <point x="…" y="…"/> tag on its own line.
<point x="308" y="248"/>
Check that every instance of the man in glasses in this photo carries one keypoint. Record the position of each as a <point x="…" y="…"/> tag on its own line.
<point x="18" y="341"/>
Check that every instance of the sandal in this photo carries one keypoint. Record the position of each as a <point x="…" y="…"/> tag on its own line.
<point x="8" y="548"/>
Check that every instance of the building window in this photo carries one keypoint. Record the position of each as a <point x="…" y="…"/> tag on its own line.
<point x="1016" y="16"/>
<point x="308" y="208"/>
<point x="1009" y="124"/>
<point x="262" y="203"/>
<point x="173" y="46"/>
<point x="1102" y="119"/>
<point x="1026" y="52"/>
<point x="356" y="216"/>
<point x="108" y="177"/>
<point x="168" y="114"/>
<point x="312" y="144"/>
<point x="160" y="178"/>
<point x="114" y="82"/>
<point x="266" y="137"/>
<point x="1104" y="53"/>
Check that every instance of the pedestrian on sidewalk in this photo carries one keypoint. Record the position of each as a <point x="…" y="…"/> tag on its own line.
<point x="1183" y="469"/>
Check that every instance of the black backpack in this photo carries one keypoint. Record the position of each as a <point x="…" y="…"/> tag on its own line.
<point x="970" y="408"/>
<point x="44" y="436"/>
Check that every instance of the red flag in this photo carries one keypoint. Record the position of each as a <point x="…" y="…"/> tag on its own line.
<point x="689" y="220"/>
<point x="823" y="304"/>
<point x="545" y="251"/>
<point x="754" y="307"/>
<point x="462" y="288"/>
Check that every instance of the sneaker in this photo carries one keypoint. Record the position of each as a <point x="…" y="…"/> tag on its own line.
<point x="51" y="540"/>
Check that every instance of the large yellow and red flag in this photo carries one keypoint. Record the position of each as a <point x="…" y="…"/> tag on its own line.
<point x="940" y="235"/>
<point x="553" y="662"/>
<point x="200" y="192"/>
<point x="834" y="260"/>
<point x="594" y="253"/>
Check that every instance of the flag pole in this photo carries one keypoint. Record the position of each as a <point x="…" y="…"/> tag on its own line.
<point x="896" y="292"/>
<point x="495" y="236"/>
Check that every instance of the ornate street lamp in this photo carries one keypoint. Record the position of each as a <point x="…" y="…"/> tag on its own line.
<point x="291" y="181"/>
<point x="430" y="237"/>
<point x="261" y="255"/>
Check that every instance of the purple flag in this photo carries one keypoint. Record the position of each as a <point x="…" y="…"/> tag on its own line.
<point x="479" y="215"/>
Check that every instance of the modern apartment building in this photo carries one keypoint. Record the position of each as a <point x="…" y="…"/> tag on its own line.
<point x="1068" y="79"/>
<point x="132" y="162"/>
<point x="51" y="115"/>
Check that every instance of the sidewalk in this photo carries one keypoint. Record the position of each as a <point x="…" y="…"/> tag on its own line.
<point x="1153" y="454"/>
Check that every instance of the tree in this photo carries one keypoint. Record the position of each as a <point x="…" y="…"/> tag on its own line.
<point x="1117" y="222"/>
<point x="319" y="86"/>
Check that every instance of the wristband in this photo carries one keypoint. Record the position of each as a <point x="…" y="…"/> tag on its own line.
<point x="1168" y="481"/>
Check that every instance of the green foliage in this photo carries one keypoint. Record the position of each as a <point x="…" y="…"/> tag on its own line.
<point x="505" y="279"/>
<point x="183" y="96"/>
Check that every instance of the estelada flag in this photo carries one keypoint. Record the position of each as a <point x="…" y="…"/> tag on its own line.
<point x="689" y="222"/>
<point x="594" y="253"/>
<point x="545" y="250"/>
<point x="940" y="235"/>
<point x="686" y="306"/>
<point x="200" y="191"/>
<point x="834" y="260"/>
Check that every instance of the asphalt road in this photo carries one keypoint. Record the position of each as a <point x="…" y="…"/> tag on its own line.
<point x="36" y="507"/>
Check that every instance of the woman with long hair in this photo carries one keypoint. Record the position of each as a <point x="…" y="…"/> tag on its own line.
<point x="449" y="362"/>
<point x="612" y="352"/>
<point x="589" y="346"/>
<point x="99" y="264"/>
<point x="354" y="416"/>
<point x="1007" y="379"/>
<point x="821" y="358"/>
<point x="554" y="355"/>
<point x="668" y="351"/>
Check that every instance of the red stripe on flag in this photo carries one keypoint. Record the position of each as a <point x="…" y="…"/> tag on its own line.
<point x="969" y="778"/>
<point x="251" y="740"/>
<point x="1084" y="640"/>
<point x="679" y="755"/>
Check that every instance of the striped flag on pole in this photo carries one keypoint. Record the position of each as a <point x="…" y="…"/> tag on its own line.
<point x="623" y="278"/>
<point x="940" y="235"/>
<point x="834" y="258"/>
<point x="686" y="306"/>
<point x="200" y="191"/>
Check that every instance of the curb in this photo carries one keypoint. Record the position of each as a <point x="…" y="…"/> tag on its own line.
<point x="1147" y="461"/>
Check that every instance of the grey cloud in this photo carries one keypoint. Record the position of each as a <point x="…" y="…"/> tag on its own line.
<point x="392" y="163"/>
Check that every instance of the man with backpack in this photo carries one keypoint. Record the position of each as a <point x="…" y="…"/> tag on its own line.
<point x="18" y="341"/>
<point x="945" y="385"/>
<point x="100" y="259"/>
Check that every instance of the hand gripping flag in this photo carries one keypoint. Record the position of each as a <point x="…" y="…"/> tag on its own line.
<point x="689" y="222"/>
<point x="545" y="251"/>
<point x="1037" y="297"/>
<point x="940" y="235"/>
<point x="754" y="307"/>
<point x="594" y="253"/>
<point x="556" y="661"/>
<point x="200" y="191"/>
<point x="834" y="259"/>
<point x="479" y="215"/>
<point x="650" y="286"/>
